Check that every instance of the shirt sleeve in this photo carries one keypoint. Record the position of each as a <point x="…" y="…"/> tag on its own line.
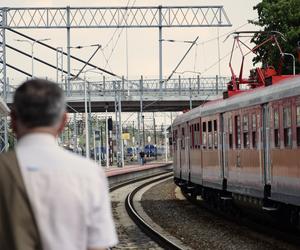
<point x="101" y="228"/>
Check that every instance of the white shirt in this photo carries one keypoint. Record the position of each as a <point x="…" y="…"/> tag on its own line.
<point x="68" y="193"/>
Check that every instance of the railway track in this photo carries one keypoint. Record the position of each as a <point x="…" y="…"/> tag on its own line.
<point x="257" y="222"/>
<point x="158" y="237"/>
<point x="136" y="233"/>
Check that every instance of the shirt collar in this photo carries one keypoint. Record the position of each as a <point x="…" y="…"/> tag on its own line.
<point x="41" y="139"/>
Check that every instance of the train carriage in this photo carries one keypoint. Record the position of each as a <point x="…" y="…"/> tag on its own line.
<point x="245" y="146"/>
<point x="247" y="143"/>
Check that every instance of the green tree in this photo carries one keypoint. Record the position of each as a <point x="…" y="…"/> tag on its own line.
<point x="282" y="16"/>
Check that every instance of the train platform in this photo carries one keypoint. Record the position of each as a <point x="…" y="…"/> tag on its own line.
<point x="116" y="175"/>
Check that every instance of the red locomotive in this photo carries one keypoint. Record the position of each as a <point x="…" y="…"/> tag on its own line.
<point x="245" y="146"/>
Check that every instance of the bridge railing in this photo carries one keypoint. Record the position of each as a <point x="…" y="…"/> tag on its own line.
<point x="146" y="87"/>
<point x="179" y="86"/>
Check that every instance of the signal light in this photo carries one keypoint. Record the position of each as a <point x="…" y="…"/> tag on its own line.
<point x="110" y="124"/>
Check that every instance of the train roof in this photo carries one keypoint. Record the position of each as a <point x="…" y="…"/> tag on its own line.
<point x="4" y="110"/>
<point x="285" y="88"/>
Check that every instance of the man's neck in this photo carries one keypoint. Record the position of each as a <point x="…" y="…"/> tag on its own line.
<point x="44" y="130"/>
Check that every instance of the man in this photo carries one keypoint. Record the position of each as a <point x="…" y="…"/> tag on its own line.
<point x="67" y="194"/>
<point x="142" y="156"/>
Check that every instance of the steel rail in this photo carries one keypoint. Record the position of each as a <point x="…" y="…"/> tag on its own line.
<point x="156" y="236"/>
<point x="125" y="183"/>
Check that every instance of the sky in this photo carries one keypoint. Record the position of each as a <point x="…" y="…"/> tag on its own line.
<point x="142" y="49"/>
<point x="142" y="46"/>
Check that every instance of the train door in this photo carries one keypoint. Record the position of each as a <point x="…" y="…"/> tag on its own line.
<point x="265" y="131"/>
<point x="227" y="141"/>
<point x="221" y="146"/>
<point x="237" y="170"/>
<point x="183" y="150"/>
<point x="200" y="163"/>
<point x="178" y="156"/>
<point x="187" y="153"/>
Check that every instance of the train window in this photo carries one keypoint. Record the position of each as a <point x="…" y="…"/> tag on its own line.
<point x="190" y="132"/>
<point x="287" y="130"/>
<point x="254" y="127"/>
<point x="204" y="141"/>
<point x="175" y="139"/>
<point x="230" y="132"/>
<point x="215" y="134"/>
<point x="237" y="127"/>
<point x="191" y="136"/>
<point x="182" y="139"/>
<point x="194" y="136"/>
<point x="209" y="125"/>
<point x="209" y="130"/>
<point x="246" y="131"/>
<point x="298" y="125"/>
<point x="198" y="135"/>
<point x="276" y="128"/>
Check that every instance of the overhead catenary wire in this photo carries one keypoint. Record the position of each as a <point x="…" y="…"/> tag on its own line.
<point x="221" y="59"/>
<point x="79" y="72"/>
<point x="17" y="69"/>
<point x="184" y="56"/>
<point x="36" y="58"/>
<point x="195" y="57"/>
<point x="204" y="57"/>
<point x="119" y="35"/>
<point x="192" y="45"/>
<point x="227" y="33"/>
<point x="115" y="31"/>
<point x="188" y="71"/>
<point x="64" y="53"/>
<point x="176" y="41"/>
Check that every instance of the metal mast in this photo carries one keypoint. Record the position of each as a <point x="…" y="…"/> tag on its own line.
<point x="3" y="83"/>
<point x="68" y="18"/>
<point x="119" y="132"/>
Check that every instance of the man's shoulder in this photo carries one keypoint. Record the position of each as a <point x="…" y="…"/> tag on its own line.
<point x="80" y="164"/>
<point x="7" y="158"/>
<point x="11" y="154"/>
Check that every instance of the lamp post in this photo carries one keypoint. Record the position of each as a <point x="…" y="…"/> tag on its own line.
<point x="87" y="114"/>
<point x="89" y="96"/>
<point x="106" y="133"/>
<point x="32" y="52"/>
<point x="166" y="144"/>
<point x="87" y="146"/>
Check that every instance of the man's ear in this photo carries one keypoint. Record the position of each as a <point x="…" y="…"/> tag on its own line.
<point x="63" y="123"/>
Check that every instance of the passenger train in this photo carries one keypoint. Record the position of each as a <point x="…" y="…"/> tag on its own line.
<point x="245" y="146"/>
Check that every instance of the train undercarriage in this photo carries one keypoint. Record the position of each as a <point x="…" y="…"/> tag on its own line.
<point x="234" y="203"/>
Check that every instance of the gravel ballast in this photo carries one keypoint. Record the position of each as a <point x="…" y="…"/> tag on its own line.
<point x="197" y="227"/>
